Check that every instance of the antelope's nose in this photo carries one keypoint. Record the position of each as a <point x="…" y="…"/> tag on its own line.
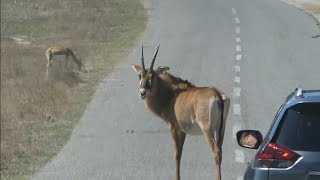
<point x="143" y="92"/>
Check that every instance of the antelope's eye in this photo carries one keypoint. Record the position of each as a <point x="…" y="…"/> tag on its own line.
<point x="140" y="76"/>
<point x="150" y="81"/>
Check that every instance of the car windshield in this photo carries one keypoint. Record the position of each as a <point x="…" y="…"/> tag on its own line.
<point x="300" y="129"/>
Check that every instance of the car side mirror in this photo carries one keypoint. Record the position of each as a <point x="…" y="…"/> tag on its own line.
<point x="249" y="139"/>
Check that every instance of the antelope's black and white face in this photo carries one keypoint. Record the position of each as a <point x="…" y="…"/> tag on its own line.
<point x="148" y="77"/>
<point x="147" y="80"/>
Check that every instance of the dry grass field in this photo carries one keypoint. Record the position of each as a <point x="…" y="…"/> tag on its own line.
<point x="310" y="6"/>
<point x="313" y="9"/>
<point x="38" y="114"/>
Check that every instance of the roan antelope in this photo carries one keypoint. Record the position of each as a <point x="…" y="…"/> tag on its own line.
<point x="186" y="109"/>
<point x="60" y="50"/>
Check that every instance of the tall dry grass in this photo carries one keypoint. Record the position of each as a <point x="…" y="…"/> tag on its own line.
<point x="31" y="106"/>
<point x="38" y="114"/>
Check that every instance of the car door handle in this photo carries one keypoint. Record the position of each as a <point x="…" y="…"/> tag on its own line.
<point x="314" y="173"/>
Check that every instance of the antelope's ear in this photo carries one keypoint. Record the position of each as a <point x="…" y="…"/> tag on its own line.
<point x="137" y="69"/>
<point x="162" y="69"/>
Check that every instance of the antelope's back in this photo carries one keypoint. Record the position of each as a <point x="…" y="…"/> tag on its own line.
<point x="57" y="49"/>
<point x="194" y="99"/>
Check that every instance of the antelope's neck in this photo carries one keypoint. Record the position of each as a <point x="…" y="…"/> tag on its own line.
<point x="161" y="102"/>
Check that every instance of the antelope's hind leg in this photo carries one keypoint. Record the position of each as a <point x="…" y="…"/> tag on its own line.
<point x="216" y="152"/>
<point x="226" y="105"/>
<point x="210" y="126"/>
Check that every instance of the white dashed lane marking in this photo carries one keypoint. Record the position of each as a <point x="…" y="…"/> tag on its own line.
<point x="239" y="156"/>
<point x="240" y="178"/>
<point x="239" y="56"/>
<point x="234" y="11"/>
<point x="238" y="48"/>
<point x="237" y="79"/>
<point x="236" y="109"/>
<point x="237" y="20"/>
<point x="238" y="30"/>
<point x="236" y="91"/>
<point x="237" y="68"/>
<point x="235" y="129"/>
<point x="237" y="123"/>
<point x="238" y="40"/>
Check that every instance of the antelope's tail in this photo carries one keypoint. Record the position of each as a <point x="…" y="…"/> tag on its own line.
<point x="217" y="112"/>
<point x="220" y="104"/>
<point x="221" y="107"/>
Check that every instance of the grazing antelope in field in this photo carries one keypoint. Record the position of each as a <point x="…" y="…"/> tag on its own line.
<point x="60" y="50"/>
<point x="186" y="109"/>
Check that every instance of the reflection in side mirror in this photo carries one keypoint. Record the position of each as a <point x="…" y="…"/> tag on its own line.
<point x="249" y="139"/>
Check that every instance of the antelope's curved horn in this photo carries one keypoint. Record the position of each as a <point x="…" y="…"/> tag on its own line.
<point x="142" y="60"/>
<point x="154" y="58"/>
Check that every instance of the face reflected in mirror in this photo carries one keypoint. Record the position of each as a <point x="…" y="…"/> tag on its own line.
<point x="249" y="139"/>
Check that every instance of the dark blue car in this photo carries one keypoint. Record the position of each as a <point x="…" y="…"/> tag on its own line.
<point x="291" y="148"/>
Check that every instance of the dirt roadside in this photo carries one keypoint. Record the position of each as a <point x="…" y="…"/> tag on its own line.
<point x="310" y="6"/>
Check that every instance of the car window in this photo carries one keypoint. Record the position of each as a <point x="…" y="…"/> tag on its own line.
<point x="275" y="119"/>
<point x="300" y="128"/>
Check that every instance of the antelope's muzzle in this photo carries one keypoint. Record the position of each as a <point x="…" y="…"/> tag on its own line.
<point x="143" y="93"/>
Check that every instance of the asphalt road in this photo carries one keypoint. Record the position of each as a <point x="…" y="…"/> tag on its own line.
<point x="255" y="51"/>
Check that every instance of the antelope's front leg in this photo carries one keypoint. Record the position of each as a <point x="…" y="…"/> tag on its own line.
<point x="178" y="138"/>
<point x="67" y="59"/>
